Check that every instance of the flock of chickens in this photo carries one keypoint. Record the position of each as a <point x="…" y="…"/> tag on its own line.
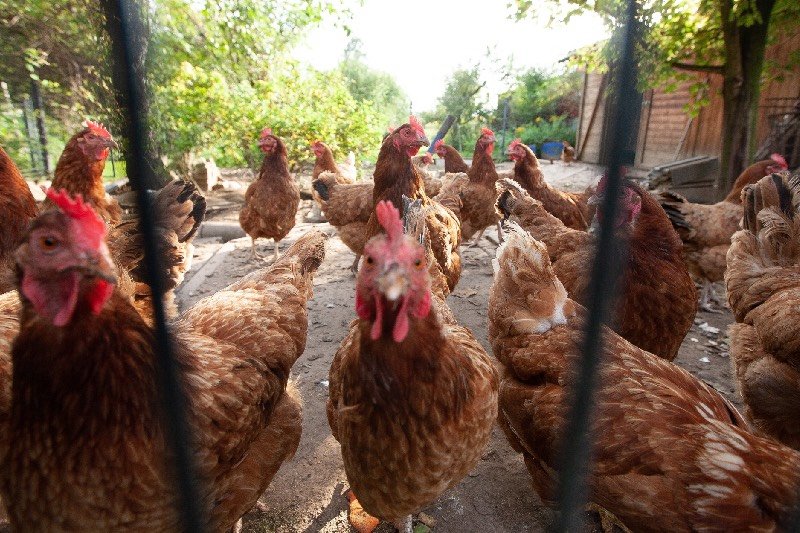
<point x="413" y="395"/>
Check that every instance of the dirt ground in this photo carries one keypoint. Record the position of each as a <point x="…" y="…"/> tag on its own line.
<point x="307" y="495"/>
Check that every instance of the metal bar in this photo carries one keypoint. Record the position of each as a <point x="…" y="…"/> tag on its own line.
<point x="576" y="444"/>
<point x="120" y="26"/>
<point x="443" y="129"/>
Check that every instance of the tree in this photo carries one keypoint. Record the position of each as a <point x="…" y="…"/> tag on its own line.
<point x="460" y="99"/>
<point x="727" y="37"/>
<point x="372" y="87"/>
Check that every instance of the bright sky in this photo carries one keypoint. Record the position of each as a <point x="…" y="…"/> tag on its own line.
<point x="420" y="42"/>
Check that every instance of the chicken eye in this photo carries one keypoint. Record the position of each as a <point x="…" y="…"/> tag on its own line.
<point x="418" y="264"/>
<point x="48" y="243"/>
<point x="370" y="260"/>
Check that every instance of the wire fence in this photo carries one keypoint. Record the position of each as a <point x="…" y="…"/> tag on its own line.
<point x="576" y="444"/>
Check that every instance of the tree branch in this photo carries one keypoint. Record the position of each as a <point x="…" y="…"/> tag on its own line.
<point x="715" y="69"/>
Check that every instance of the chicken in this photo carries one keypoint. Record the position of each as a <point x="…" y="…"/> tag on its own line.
<point x="432" y="183"/>
<point x="80" y="170"/>
<point x="17" y="209"/>
<point x="453" y="162"/>
<point x="348" y="208"/>
<point x="657" y="299"/>
<point x="669" y="452"/>
<point x="413" y="396"/>
<point x="568" y="154"/>
<point x="706" y="229"/>
<point x="325" y="163"/>
<point x="570" y="208"/>
<point x="763" y="282"/>
<point x="479" y="193"/>
<point x="179" y="209"/>
<point x="70" y="449"/>
<point x="395" y="176"/>
<point x="270" y="203"/>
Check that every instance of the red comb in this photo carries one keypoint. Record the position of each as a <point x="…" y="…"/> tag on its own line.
<point x="96" y="128"/>
<point x="438" y="143"/>
<point x="778" y="158"/>
<point x="265" y="133"/>
<point x="389" y="217"/>
<point x="416" y="125"/>
<point x="390" y="130"/>
<point x="515" y="143"/>
<point x="486" y="131"/>
<point x="93" y="229"/>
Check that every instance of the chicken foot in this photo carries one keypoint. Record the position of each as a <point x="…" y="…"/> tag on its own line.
<point x="362" y="521"/>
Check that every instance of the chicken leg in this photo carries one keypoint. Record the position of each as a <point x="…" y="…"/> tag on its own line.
<point x="276" y="252"/>
<point x="708" y="297"/>
<point x="354" y="266"/>
<point x="253" y="252"/>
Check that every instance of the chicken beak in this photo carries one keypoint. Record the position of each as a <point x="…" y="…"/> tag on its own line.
<point x="392" y="283"/>
<point x="595" y="199"/>
<point x="97" y="265"/>
<point x="111" y="143"/>
<point x="423" y="141"/>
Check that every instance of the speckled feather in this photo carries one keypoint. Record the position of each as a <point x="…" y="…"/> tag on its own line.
<point x="763" y="283"/>
<point x="412" y="418"/>
<point x="670" y="453"/>
<point x="17" y="209"/>
<point x="658" y="299"/>
<point x="95" y="460"/>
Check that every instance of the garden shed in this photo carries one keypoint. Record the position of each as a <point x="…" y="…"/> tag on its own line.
<point x="668" y="132"/>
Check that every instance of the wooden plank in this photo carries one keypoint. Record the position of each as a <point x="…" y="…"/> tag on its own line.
<point x="597" y="102"/>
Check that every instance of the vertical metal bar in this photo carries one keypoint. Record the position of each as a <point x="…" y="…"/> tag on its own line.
<point x="576" y="444"/>
<point x="121" y="26"/>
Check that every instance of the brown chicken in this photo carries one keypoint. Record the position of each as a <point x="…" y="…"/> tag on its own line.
<point x="17" y="209"/>
<point x="479" y="194"/>
<point x="763" y="282"/>
<point x="347" y="208"/>
<point x="657" y="299"/>
<point x="69" y="449"/>
<point x="568" y="154"/>
<point x="179" y="209"/>
<point x="396" y="177"/>
<point x="706" y="229"/>
<point x="413" y="395"/>
<point x="570" y="208"/>
<point x="80" y="170"/>
<point x="453" y="162"/>
<point x="669" y="452"/>
<point x="270" y="203"/>
<point x="324" y="163"/>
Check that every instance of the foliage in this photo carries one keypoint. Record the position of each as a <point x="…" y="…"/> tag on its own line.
<point x="217" y="75"/>
<point x="537" y="94"/>
<point x="372" y="88"/>
<point x="554" y="128"/>
<point x="461" y="98"/>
